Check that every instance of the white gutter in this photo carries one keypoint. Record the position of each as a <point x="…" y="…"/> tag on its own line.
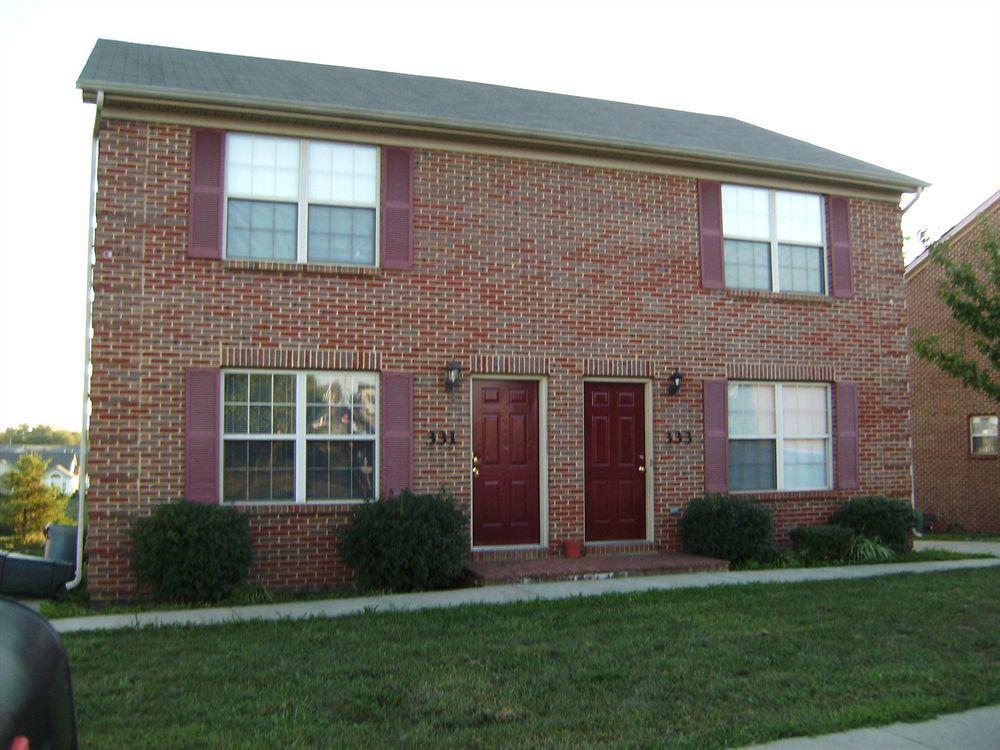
<point x="81" y="511"/>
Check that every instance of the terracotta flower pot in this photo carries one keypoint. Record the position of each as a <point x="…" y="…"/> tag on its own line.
<point x="573" y="548"/>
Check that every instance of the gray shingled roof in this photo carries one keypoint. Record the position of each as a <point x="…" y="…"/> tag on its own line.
<point x="164" y="72"/>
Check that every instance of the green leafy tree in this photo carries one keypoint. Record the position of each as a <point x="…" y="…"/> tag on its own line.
<point x="971" y="290"/>
<point x="28" y="503"/>
<point x="40" y="434"/>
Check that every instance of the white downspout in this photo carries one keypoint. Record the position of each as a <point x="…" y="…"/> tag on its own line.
<point x="81" y="511"/>
<point x="916" y="197"/>
<point x="913" y="478"/>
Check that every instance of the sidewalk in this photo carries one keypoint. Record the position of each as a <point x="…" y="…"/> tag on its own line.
<point x="500" y="595"/>
<point x="978" y="729"/>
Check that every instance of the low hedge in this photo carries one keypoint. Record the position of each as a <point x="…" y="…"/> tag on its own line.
<point x="191" y="552"/>
<point x="406" y="543"/>
<point x="882" y="519"/>
<point x="823" y="543"/>
<point x="731" y="528"/>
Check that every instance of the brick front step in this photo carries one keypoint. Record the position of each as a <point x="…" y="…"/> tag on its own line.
<point x="483" y="572"/>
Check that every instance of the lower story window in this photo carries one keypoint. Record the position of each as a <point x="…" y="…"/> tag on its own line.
<point x="779" y="436"/>
<point x="984" y="435"/>
<point x="299" y="436"/>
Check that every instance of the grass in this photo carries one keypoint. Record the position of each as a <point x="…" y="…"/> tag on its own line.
<point x="697" y="668"/>
<point x="78" y="604"/>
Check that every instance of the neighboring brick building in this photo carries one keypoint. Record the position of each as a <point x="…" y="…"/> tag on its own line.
<point x="956" y="466"/>
<point x="273" y="322"/>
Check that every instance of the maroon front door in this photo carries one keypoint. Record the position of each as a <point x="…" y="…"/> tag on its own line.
<point x="615" y="464"/>
<point x="504" y="462"/>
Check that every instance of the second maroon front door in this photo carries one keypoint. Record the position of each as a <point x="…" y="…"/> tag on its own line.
<point x="615" y="464"/>
<point x="505" y="462"/>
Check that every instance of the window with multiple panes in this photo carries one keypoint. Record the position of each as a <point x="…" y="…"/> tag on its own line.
<point x="299" y="436"/>
<point x="773" y="240"/>
<point x="779" y="436"/>
<point x="983" y="435"/>
<point x="299" y="200"/>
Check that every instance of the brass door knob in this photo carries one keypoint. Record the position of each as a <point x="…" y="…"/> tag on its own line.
<point x="642" y="469"/>
<point x="475" y="471"/>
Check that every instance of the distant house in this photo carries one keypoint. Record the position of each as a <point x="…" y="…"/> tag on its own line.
<point x="956" y="456"/>
<point x="64" y="465"/>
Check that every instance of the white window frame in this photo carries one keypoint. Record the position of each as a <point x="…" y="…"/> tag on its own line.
<point x="302" y="203"/>
<point x="973" y="434"/>
<point x="299" y="437"/>
<point x="773" y="240"/>
<point x="779" y="436"/>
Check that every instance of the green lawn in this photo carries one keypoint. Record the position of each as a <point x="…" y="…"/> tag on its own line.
<point x="697" y="668"/>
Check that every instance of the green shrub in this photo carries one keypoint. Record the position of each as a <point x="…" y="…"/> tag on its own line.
<point x="731" y="528"/>
<point x="868" y="550"/>
<point x="406" y="543"/>
<point x="190" y="552"/>
<point x="882" y="519"/>
<point x="823" y="543"/>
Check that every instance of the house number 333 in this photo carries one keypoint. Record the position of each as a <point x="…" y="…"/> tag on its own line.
<point x="442" y="437"/>
<point x="677" y="436"/>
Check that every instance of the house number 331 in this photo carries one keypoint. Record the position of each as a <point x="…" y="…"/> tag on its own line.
<point x="442" y="437"/>
<point x="677" y="436"/>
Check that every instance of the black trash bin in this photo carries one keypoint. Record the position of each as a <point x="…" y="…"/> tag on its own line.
<point x="36" y="694"/>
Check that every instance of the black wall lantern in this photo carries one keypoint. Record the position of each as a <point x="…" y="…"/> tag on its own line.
<point x="675" y="383"/>
<point x="452" y="373"/>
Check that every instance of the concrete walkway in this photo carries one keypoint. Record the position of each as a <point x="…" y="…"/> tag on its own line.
<point x="500" y="595"/>
<point x="973" y="548"/>
<point x="978" y="729"/>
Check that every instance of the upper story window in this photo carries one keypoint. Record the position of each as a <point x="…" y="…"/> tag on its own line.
<point x="299" y="200"/>
<point x="779" y="436"/>
<point x="773" y="240"/>
<point x="984" y="435"/>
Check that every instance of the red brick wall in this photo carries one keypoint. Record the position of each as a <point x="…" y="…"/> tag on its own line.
<point x="960" y="489"/>
<point x="579" y="267"/>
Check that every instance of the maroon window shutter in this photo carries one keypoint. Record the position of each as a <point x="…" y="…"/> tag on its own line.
<point x="397" y="207"/>
<point x="716" y="436"/>
<point x="201" y="434"/>
<point x="713" y="275"/>
<point x="397" y="432"/>
<point x="841" y="271"/>
<point x="847" y="436"/>
<point x="208" y="162"/>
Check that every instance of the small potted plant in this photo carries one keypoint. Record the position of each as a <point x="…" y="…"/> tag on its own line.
<point x="573" y="548"/>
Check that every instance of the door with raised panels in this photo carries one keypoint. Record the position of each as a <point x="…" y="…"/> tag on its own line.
<point x="615" y="464"/>
<point x="505" y="462"/>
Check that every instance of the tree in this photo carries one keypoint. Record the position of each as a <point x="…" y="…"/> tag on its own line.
<point x="40" y="434"/>
<point x="29" y="504"/>
<point x="971" y="290"/>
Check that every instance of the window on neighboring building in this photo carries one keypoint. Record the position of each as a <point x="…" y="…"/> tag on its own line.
<point x="773" y="240"/>
<point x="983" y="435"/>
<point x="299" y="436"/>
<point x="779" y="436"/>
<point x="290" y="199"/>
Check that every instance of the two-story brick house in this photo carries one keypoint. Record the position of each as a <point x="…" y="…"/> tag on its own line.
<point x="317" y="285"/>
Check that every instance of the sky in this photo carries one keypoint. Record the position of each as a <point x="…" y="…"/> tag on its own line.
<point x="913" y="86"/>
